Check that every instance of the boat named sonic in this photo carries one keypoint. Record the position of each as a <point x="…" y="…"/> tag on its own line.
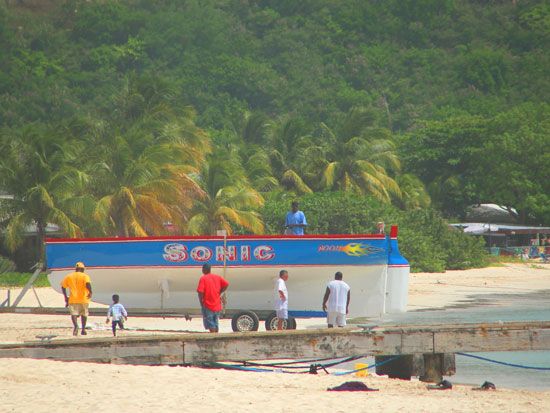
<point x="163" y="272"/>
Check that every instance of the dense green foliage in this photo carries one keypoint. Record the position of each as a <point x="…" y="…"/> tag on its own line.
<point x="424" y="59"/>
<point x="502" y="159"/>
<point x="428" y="243"/>
<point x="149" y="117"/>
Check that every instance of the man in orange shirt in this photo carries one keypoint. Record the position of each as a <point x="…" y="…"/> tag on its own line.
<point x="80" y="288"/>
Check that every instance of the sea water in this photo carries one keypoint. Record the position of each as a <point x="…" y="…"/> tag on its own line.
<point x="491" y="309"/>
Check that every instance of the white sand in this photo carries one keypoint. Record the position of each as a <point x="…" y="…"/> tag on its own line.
<point x="436" y="290"/>
<point x="44" y="386"/>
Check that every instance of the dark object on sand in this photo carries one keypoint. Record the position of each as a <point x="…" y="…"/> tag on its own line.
<point x="442" y="385"/>
<point x="352" y="386"/>
<point x="487" y="385"/>
<point x="314" y="367"/>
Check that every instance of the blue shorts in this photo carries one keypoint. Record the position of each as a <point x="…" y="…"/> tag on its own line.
<point x="210" y="318"/>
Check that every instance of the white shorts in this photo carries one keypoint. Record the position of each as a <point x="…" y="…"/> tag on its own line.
<point x="282" y="313"/>
<point x="335" y="318"/>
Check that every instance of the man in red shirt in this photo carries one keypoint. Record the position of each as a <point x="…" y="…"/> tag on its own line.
<point x="210" y="288"/>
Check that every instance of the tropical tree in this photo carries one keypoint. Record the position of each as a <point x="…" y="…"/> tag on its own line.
<point x="258" y="171"/>
<point x="360" y="158"/>
<point x="469" y="160"/>
<point x="448" y="156"/>
<point x="37" y="176"/>
<point x="230" y="200"/>
<point x="143" y="153"/>
<point x="254" y="127"/>
<point x="142" y="189"/>
<point x="289" y="151"/>
<point x="413" y="193"/>
<point x="246" y="139"/>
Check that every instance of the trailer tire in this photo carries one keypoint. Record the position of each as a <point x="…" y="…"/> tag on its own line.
<point x="271" y="322"/>
<point x="245" y="321"/>
<point x="291" y="323"/>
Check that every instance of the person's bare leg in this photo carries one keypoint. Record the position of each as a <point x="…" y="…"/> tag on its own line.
<point x="280" y="322"/>
<point x="74" y="319"/>
<point x="84" y="319"/>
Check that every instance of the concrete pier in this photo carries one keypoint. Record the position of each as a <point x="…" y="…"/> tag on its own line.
<point x="428" y="350"/>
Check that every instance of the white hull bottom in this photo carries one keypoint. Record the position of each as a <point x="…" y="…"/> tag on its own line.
<point x="250" y="288"/>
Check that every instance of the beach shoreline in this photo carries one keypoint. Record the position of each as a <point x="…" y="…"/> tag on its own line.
<point x="63" y="386"/>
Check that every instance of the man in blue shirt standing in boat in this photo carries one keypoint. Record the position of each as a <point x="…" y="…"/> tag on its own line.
<point x="296" y="220"/>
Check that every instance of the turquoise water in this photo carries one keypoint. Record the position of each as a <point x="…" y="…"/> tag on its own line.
<point x="493" y="308"/>
<point x="475" y="372"/>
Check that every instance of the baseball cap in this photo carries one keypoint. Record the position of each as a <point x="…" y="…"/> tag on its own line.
<point x="80" y="265"/>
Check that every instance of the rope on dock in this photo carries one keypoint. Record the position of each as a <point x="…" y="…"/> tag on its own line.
<point x="503" y="363"/>
<point x="252" y="366"/>
<point x="312" y="368"/>
<point x="368" y="367"/>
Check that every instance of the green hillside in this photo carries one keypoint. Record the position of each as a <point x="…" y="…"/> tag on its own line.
<point x="417" y="59"/>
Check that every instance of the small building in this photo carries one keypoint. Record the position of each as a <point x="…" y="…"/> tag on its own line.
<point x="510" y="239"/>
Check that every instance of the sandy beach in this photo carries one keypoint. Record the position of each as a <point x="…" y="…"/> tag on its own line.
<point x="43" y="385"/>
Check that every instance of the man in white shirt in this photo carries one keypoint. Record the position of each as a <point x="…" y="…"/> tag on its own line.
<point x="281" y="299"/>
<point x="338" y="297"/>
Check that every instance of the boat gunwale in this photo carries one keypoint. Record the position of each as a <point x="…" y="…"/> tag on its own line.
<point x="215" y="238"/>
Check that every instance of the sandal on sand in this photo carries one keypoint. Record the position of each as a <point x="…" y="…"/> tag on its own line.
<point x="487" y="385"/>
<point x="352" y="386"/>
<point x="442" y="385"/>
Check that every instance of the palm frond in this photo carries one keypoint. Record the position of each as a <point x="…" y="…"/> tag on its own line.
<point x="292" y="180"/>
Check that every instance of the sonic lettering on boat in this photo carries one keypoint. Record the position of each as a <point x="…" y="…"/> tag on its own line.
<point x="176" y="252"/>
<point x="354" y="249"/>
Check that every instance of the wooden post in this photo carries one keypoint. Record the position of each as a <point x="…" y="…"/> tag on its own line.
<point x="400" y="368"/>
<point x="433" y="368"/>
<point x="429" y="367"/>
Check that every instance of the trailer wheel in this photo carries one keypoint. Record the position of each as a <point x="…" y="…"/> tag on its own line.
<point x="291" y="325"/>
<point x="245" y="321"/>
<point x="272" y="321"/>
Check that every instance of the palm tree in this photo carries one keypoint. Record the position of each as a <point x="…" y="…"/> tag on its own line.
<point x="142" y="189"/>
<point x="253" y="128"/>
<point x="35" y="171"/>
<point x="230" y="199"/>
<point x="359" y="159"/>
<point x="245" y="141"/>
<point x="414" y="194"/>
<point x="290" y="150"/>
<point x="257" y="167"/>
<point x="144" y="154"/>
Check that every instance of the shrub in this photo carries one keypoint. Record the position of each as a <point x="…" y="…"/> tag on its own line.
<point x="425" y="239"/>
<point x="6" y="265"/>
